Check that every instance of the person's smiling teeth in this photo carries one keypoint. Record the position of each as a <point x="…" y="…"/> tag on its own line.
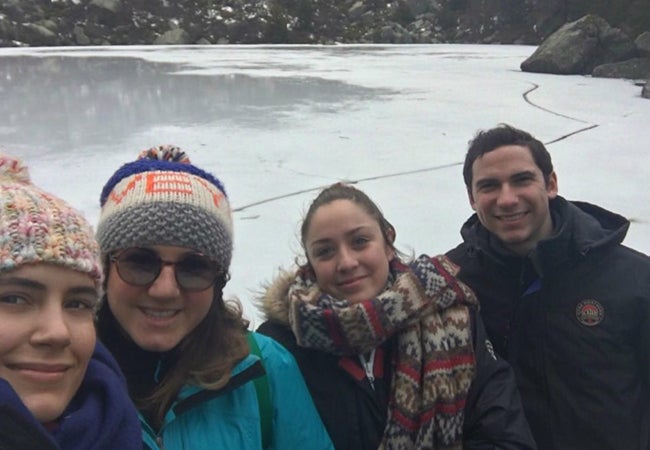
<point x="512" y="217"/>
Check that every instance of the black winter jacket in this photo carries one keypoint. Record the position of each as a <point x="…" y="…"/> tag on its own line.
<point x="573" y="319"/>
<point x="355" y="414"/>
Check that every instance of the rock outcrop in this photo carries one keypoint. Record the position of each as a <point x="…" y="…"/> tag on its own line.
<point x="578" y="47"/>
<point x="590" y="46"/>
<point x="634" y="68"/>
<point x="645" y="93"/>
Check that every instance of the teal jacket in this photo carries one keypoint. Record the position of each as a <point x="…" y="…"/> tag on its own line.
<point x="229" y="418"/>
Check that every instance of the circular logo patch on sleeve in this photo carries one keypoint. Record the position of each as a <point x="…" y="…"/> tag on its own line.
<point x="590" y="312"/>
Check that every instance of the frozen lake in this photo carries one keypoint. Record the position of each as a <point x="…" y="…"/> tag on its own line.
<point x="275" y="123"/>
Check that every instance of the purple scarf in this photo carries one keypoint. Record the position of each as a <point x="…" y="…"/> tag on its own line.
<point x="99" y="417"/>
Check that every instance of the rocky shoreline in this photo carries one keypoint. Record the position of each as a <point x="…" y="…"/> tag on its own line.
<point x="574" y="36"/>
<point x="143" y="22"/>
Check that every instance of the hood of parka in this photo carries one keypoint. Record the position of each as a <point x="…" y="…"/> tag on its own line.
<point x="273" y="303"/>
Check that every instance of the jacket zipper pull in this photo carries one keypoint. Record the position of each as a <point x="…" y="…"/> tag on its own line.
<point x="368" y="365"/>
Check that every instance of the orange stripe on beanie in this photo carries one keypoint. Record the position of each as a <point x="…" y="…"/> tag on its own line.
<point x="162" y="199"/>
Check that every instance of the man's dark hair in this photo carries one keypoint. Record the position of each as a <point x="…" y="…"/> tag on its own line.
<point x="487" y="140"/>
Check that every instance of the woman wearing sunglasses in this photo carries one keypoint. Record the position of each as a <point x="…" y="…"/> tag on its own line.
<point x="59" y="388"/>
<point x="199" y="379"/>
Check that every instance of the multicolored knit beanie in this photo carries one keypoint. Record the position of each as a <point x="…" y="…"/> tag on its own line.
<point x="162" y="199"/>
<point x="37" y="227"/>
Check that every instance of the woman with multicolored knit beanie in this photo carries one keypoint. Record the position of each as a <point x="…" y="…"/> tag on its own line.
<point x="199" y="379"/>
<point x="394" y="353"/>
<point x="59" y="388"/>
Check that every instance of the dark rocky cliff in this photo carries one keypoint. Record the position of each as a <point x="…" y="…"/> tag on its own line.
<point x="121" y="22"/>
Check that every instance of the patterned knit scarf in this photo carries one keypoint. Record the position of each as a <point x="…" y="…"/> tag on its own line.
<point x="427" y="308"/>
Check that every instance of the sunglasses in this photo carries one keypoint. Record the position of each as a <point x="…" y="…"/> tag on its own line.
<point x="142" y="266"/>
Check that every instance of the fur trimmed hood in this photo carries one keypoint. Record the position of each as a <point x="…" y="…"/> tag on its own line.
<point x="273" y="302"/>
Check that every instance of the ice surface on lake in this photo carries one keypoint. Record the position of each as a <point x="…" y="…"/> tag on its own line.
<point x="275" y="123"/>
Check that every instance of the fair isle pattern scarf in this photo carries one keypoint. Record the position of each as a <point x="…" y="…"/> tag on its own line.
<point x="427" y="308"/>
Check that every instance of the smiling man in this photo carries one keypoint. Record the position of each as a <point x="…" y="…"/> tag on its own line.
<point x="562" y="299"/>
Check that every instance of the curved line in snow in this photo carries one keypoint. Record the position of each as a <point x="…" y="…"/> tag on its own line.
<point x="317" y="188"/>
<point x="535" y="105"/>
<point x="427" y="169"/>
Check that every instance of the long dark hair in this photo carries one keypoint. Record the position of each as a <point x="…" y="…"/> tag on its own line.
<point x="204" y="358"/>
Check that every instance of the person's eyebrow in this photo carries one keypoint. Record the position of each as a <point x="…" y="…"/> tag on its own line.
<point x="24" y="282"/>
<point x="523" y="173"/>
<point x="31" y="284"/>
<point x="485" y="181"/>
<point x="83" y="290"/>
<point x="515" y="176"/>
<point x="351" y="232"/>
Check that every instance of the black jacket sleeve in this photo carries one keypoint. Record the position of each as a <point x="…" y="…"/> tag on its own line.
<point x="494" y="415"/>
